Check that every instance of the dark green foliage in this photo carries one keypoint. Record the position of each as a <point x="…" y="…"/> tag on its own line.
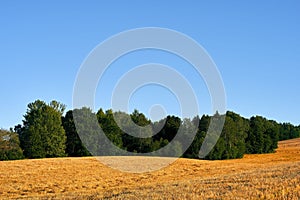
<point x="255" y="137"/>
<point x="45" y="133"/>
<point x="186" y="134"/>
<point x="239" y="135"/>
<point x="139" y="118"/>
<point x="231" y="143"/>
<point x="42" y="134"/>
<point x="164" y="132"/>
<point x="273" y="136"/>
<point x="74" y="146"/>
<point x="232" y="140"/>
<point x="193" y="150"/>
<point x="10" y="146"/>
<point x="88" y="128"/>
<point x="110" y="127"/>
<point x="263" y="136"/>
<point x="141" y="127"/>
<point x="288" y="131"/>
<point x="169" y="129"/>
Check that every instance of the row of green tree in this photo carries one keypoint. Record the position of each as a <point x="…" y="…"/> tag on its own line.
<point x="46" y="132"/>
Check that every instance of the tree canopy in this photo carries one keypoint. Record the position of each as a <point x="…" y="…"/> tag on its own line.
<point x="47" y="132"/>
<point x="42" y="134"/>
<point x="10" y="146"/>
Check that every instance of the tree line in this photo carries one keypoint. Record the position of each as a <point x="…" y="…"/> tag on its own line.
<point x="46" y="132"/>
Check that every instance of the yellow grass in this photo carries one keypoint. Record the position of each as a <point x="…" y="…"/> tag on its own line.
<point x="268" y="176"/>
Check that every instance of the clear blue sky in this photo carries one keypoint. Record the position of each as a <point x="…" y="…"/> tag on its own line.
<point x="255" y="44"/>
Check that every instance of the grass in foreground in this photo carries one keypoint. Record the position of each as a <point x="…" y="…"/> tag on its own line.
<point x="266" y="176"/>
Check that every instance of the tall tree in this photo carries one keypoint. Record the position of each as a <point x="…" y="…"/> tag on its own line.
<point x="110" y="127"/>
<point x="88" y="128"/>
<point x="170" y="128"/>
<point x="263" y="135"/>
<point x="74" y="146"/>
<point x="139" y="128"/>
<point x="42" y="134"/>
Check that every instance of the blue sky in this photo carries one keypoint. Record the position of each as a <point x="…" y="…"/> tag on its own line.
<point x="255" y="44"/>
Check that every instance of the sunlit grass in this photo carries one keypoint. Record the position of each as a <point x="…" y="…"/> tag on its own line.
<point x="266" y="176"/>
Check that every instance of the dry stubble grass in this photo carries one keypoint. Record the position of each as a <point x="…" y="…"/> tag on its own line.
<point x="267" y="176"/>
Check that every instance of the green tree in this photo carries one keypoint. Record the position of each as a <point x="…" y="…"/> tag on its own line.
<point x="10" y="146"/>
<point x="255" y="139"/>
<point x="235" y="132"/>
<point x="213" y="139"/>
<point x="42" y="134"/>
<point x="110" y="127"/>
<point x="271" y="136"/>
<point x="140" y="144"/>
<point x="170" y="128"/>
<point x="193" y="150"/>
<point x="288" y="131"/>
<point x="88" y="128"/>
<point x="230" y="144"/>
<point x="74" y="146"/>
<point x="263" y="135"/>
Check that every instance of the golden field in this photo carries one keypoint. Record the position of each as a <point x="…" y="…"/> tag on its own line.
<point x="265" y="176"/>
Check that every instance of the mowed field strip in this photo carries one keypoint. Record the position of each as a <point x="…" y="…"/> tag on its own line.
<point x="265" y="176"/>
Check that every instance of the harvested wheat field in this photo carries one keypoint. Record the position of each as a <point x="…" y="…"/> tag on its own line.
<point x="266" y="176"/>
